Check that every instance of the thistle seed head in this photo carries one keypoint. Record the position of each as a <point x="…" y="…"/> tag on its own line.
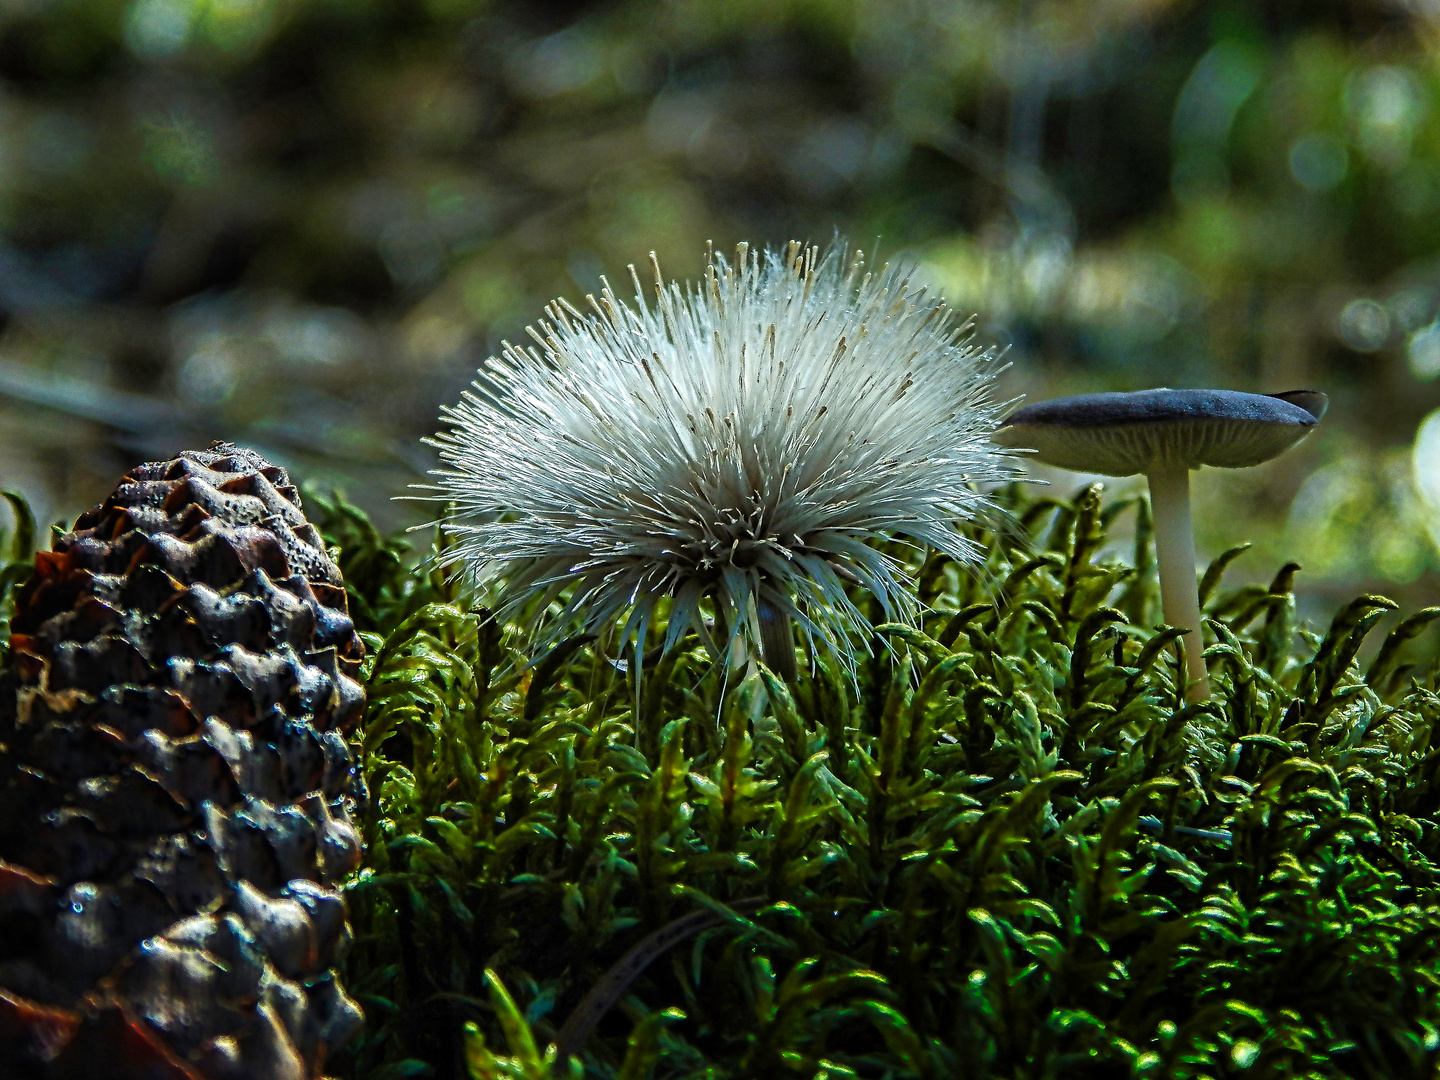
<point x="737" y="445"/>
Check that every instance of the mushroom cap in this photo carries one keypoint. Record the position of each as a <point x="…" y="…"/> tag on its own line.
<point x="1120" y="434"/>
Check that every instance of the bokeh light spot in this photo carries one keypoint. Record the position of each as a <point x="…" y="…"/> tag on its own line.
<point x="1318" y="161"/>
<point x="1364" y="325"/>
<point x="562" y="62"/>
<point x="208" y="376"/>
<point x="1425" y="470"/>
<point x="1386" y="104"/>
<point x="1425" y="460"/>
<point x="1423" y="353"/>
<point x="181" y="150"/>
<point x="156" y="29"/>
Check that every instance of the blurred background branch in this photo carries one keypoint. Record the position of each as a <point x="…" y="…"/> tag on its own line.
<point x="302" y="224"/>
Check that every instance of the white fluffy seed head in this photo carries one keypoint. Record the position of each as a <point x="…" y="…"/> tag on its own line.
<point x="736" y="444"/>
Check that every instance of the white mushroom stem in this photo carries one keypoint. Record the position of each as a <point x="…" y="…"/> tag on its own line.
<point x="1175" y="554"/>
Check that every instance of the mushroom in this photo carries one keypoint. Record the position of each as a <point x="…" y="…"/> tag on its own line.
<point x="1164" y="434"/>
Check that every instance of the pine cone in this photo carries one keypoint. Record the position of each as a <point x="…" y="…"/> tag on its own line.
<point x="175" y="787"/>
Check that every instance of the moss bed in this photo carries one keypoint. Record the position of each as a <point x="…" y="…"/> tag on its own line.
<point x="1007" y="850"/>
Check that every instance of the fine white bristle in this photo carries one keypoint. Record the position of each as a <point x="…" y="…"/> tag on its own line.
<point x="740" y="442"/>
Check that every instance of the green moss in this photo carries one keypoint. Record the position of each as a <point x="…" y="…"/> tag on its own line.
<point x="1010" y="851"/>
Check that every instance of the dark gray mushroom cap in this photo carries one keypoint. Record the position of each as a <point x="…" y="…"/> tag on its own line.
<point x="1127" y="433"/>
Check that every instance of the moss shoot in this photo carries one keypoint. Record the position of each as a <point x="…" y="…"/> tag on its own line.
<point x="1009" y="850"/>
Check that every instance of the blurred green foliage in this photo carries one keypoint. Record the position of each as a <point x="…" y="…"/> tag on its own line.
<point x="1010" y="850"/>
<point x="301" y="224"/>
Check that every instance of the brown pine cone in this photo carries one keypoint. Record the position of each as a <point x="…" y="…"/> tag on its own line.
<point x="176" y="791"/>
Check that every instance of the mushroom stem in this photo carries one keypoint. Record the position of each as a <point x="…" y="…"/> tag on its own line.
<point x="777" y="641"/>
<point x="1175" y="554"/>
